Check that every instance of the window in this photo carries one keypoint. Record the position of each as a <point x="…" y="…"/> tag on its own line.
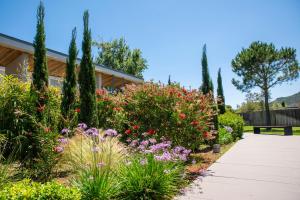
<point x="55" y="81"/>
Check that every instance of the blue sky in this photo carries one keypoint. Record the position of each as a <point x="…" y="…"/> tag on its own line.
<point x="170" y="33"/>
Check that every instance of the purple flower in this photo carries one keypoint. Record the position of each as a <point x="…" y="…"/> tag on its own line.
<point x="166" y="156"/>
<point x="111" y="132"/>
<point x="152" y="140"/>
<point x="83" y="126"/>
<point x="128" y="140"/>
<point x="193" y="161"/>
<point x="143" y="162"/>
<point x="145" y="143"/>
<point x="58" y="149"/>
<point x="65" y="131"/>
<point x="134" y="143"/>
<point x="62" y="140"/>
<point x="228" y="129"/>
<point x="92" y="132"/>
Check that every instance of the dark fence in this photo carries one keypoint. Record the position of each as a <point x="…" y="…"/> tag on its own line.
<point x="278" y="117"/>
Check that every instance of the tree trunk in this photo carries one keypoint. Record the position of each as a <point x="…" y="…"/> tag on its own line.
<point x="267" y="108"/>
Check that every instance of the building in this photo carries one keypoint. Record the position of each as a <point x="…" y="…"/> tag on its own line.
<point x="16" y="53"/>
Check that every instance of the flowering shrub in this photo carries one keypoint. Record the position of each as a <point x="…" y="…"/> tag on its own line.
<point x="182" y="116"/>
<point x="26" y="189"/>
<point x="32" y="142"/>
<point x="234" y="121"/>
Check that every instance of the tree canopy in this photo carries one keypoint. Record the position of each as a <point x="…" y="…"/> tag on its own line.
<point x="207" y="85"/>
<point x="220" y="93"/>
<point x="118" y="55"/>
<point x="262" y="65"/>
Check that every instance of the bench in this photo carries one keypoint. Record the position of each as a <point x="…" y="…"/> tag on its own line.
<point x="288" y="130"/>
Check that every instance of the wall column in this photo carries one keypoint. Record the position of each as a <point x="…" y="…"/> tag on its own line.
<point x="98" y="80"/>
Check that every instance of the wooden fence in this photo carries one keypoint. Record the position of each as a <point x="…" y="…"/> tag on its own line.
<point x="278" y="117"/>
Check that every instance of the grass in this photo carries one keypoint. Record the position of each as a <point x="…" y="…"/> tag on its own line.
<point x="279" y="131"/>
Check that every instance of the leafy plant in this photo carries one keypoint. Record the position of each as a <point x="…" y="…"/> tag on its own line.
<point x="27" y="189"/>
<point x="147" y="178"/>
<point x="95" y="157"/>
<point x="234" y="121"/>
<point x="224" y="136"/>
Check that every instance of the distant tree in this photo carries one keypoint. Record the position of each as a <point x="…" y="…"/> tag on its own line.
<point x="86" y="79"/>
<point x="263" y="66"/>
<point x="169" y="80"/>
<point x="207" y="85"/>
<point x="69" y="85"/>
<point x="117" y="55"/>
<point x="283" y="104"/>
<point x="254" y="102"/>
<point x="220" y="94"/>
<point x="39" y="85"/>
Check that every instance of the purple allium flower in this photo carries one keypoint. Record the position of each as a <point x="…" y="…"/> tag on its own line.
<point x="193" y="161"/>
<point x="166" y="156"/>
<point x="100" y="164"/>
<point x="58" y="149"/>
<point x="62" y="140"/>
<point x="65" y="131"/>
<point x="143" y="162"/>
<point x="92" y="132"/>
<point x="145" y="143"/>
<point x="102" y="139"/>
<point x="83" y="126"/>
<point x="152" y="140"/>
<point x="228" y="129"/>
<point x="128" y="140"/>
<point x="111" y="132"/>
<point x="134" y="143"/>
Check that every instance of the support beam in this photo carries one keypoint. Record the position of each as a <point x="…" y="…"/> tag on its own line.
<point x="16" y="66"/>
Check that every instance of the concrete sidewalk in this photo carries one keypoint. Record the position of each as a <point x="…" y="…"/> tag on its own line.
<point x="260" y="167"/>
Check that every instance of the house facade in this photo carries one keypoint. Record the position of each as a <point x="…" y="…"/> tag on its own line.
<point x="16" y="54"/>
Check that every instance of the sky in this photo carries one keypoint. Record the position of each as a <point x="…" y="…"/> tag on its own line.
<point x="170" y="33"/>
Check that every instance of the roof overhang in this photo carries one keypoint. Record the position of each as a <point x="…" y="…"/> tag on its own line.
<point x="27" y="47"/>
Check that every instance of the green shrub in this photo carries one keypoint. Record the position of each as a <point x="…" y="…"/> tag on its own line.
<point x="224" y="136"/>
<point x="31" y="141"/>
<point x="234" y="121"/>
<point x="172" y="112"/>
<point x="26" y="189"/>
<point x="147" y="178"/>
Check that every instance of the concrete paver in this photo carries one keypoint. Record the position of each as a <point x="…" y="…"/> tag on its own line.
<point x="258" y="167"/>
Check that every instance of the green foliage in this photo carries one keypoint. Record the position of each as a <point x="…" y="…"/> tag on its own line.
<point x="224" y="137"/>
<point x="39" y="85"/>
<point x="69" y="86"/>
<point x="220" y="94"/>
<point x="179" y="115"/>
<point x="147" y="178"/>
<point x="207" y="85"/>
<point x="263" y="66"/>
<point x="254" y="102"/>
<point x="30" y="140"/>
<point x="26" y="189"/>
<point x="234" y="121"/>
<point x="87" y="80"/>
<point x="117" y="55"/>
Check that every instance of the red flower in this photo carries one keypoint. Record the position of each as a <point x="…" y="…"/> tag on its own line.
<point x="47" y="129"/>
<point x="135" y="127"/>
<point x="151" y="131"/>
<point x="77" y="110"/>
<point x="194" y="123"/>
<point x="182" y="116"/>
<point x="205" y="134"/>
<point x="128" y="131"/>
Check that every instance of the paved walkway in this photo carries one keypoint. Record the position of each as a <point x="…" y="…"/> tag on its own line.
<point x="260" y="167"/>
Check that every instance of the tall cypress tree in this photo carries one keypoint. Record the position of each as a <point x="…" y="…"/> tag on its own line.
<point x="220" y="93"/>
<point x="206" y="86"/>
<point x="87" y="80"/>
<point x="69" y="85"/>
<point x="39" y="85"/>
<point x="169" y="80"/>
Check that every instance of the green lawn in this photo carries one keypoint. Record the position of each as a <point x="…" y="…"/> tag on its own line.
<point x="279" y="131"/>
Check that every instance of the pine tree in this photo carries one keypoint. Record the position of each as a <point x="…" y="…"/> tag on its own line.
<point x="39" y="87"/>
<point x="206" y="86"/>
<point x="220" y="94"/>
<point x="69" y="85"/>
<point x="87" y="80"/>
